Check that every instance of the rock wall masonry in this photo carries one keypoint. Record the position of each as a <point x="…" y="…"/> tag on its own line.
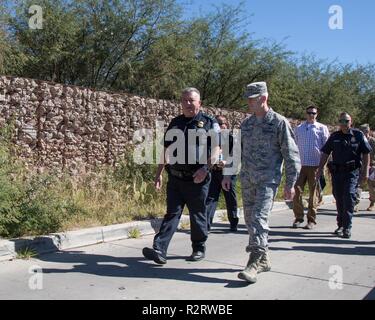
<point x="78" y="129"/>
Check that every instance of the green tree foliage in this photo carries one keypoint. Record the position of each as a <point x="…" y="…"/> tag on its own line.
<point x="146" y="47"/>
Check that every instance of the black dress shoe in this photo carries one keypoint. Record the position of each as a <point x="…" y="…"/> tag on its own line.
<point x="233" y="229"/>
<point x="196" y="256"/>
<point x="347" y="234"/>
<point x="339" y="231"/>
<point x="153" y="255"/>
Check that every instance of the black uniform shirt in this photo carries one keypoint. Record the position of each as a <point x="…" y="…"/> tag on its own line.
<point x="347" y="147"/>
<point x="200" y="123"/>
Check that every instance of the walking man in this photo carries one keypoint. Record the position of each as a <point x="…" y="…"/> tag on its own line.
<point x="267" y="141"/>
<point x="311" y="136"/>
<point x="365" y="128"/>
<point x="217" y="178"/>
<point x="350" y="151"/>
<point x="188" y="177"/>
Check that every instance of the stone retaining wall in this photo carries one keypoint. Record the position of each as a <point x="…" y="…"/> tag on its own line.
<point x="75" y="128"/>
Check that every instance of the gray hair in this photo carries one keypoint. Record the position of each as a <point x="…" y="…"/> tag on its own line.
<point x="191" y="90"/>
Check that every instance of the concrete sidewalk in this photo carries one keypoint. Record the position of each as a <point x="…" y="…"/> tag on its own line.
<point x="306" y="265"/>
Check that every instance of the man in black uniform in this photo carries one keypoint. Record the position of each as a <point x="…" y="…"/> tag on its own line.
<point x="349" y="167"/>
<point x="188" y="176"/>
<point x="226" y="144"/>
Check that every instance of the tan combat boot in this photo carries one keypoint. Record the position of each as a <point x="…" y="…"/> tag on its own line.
<point x="251" y="270"/>
<point x="265" y="263"/>
<point x="371" y="207"/>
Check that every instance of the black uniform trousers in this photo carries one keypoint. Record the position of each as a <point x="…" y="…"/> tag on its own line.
<point x="230" y="198"/>
<point x="194" y="196"/>
<point x="344" y="191"/>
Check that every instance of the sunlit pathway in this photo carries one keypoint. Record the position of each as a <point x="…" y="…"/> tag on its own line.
<point x="306" y="265"/>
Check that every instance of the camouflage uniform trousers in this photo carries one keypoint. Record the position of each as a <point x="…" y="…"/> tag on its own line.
<point x="258" y="202"/>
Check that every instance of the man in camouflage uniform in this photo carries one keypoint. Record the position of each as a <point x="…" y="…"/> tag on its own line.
<point x="365" y="128"/>
<point x="267" y="141"/>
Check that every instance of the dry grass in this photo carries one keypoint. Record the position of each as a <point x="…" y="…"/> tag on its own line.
<point x="185" y="225"/>
<point x="106" y="203"/>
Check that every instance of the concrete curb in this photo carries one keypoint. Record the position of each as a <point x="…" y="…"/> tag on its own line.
<point x="76" y="239"/>
<point x="86" y="237"/>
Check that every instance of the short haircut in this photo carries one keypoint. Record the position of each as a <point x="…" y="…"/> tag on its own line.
<point x="312" y="107"/>
<point x="191" y="90"/>
<point x="345" y="114"/>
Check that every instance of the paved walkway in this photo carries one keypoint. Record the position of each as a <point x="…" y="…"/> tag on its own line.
<point x="301" y="260"/>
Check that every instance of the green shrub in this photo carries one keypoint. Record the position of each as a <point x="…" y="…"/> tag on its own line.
<point x="30" y="204"/>
<point x="134" y="233"/>
<point x="26" y="253"/>
<point x="36" y="204"/>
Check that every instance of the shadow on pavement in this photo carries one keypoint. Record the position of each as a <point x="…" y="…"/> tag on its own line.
<point x="320" y="211"/>
<point x="295" y="233"/>
<point x="333" y="240"/>
<point x="356" y="215"/>
<point x="132" y="267"/>
<point x="365" y="215"/>
<point x="355" y="251"/>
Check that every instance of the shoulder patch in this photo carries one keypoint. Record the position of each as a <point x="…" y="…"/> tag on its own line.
<point x="216" y="127"/>
<point x="359" y="134"/>
<point x="208" y="116"/>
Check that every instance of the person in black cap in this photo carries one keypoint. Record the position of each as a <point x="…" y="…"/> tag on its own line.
<point x="349" y="167"/>
<point x="216" y="182"/>
<point x="188" y="176"/>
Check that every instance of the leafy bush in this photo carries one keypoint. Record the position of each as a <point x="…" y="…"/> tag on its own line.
<point x="29" y="203"/>
<point x="35" y="204"/>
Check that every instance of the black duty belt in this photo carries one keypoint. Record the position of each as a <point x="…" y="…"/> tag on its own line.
<point x="346" y="167"/>
<point x="183" y="175"/>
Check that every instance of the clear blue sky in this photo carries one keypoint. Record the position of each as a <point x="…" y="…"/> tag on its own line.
<point x="302" y="25"/>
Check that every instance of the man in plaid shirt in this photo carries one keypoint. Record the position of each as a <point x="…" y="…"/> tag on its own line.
<point x="365" y="128"/>
<point x="311" y="136"/>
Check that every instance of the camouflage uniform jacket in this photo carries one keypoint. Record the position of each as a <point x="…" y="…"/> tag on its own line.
<point x="265" y="145"/>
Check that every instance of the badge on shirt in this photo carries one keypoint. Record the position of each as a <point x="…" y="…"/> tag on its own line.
<point x="200" y="124"/>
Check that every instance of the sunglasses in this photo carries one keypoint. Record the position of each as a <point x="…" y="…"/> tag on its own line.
<point x="221" y="123"/>
<point x="312" y="113"/>
<point x="343" y="121"/>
